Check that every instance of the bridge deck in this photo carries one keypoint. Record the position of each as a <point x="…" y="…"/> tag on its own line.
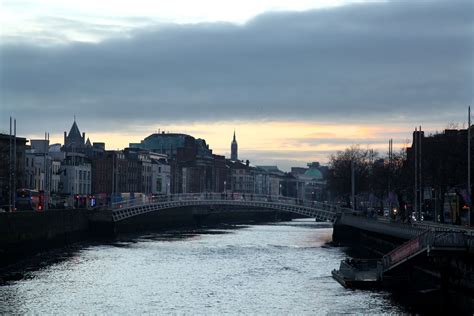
<point x="318" y="210"/>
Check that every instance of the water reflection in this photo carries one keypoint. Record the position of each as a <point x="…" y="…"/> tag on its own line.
<point x="278" y="268"/>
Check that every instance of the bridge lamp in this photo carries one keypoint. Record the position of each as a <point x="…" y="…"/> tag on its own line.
<point x="225" y="186"/>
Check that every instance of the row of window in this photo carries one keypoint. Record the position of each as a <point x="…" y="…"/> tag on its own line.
<point x="146" y="168"/>
<point x="83" y="175"/>
<point x="83" y="188"/>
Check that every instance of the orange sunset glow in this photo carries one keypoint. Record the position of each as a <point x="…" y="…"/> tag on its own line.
<point x="266" y="142"/>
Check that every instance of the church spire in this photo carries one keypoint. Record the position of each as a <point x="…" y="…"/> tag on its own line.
<point x="233" y="149"/>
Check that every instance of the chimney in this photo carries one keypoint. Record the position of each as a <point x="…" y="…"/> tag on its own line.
<point x="83" y="137"/>
<point x="247" y="162"/>
<point x="65" y="138"/>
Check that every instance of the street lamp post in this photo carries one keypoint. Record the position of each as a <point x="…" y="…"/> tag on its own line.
<point x="353" y="184"/>
<point x="469" y="191"/>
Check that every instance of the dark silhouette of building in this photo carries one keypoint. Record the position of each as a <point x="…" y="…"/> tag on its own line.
<point x="138" y="171"/>
<point x="192" y="164"/>
<point x="442" y="173"/>
<point x="74" y="142"/>
<point x="221" y="179"/>
<point x="234" y="156"/>
<point x="242" y="176"/>
<point x="109" y="173"/>
<point x="18" y="169"/>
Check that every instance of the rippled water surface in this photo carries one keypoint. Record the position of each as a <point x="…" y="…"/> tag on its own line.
<point x="277" y="268"/>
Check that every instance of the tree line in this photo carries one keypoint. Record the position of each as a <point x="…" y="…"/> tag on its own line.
<point x="382" y="180"/>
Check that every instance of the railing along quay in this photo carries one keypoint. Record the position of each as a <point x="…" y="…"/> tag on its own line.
<point x="424" y="242"/>
<point x="395" y="229"/>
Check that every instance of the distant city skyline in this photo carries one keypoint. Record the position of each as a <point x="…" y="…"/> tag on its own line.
<point x="297" y="80"/>
<point x="287" y="146"/>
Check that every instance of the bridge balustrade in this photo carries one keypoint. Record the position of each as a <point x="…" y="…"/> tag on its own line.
<point x="319" y="210"/>
<point x="125" y="209"/>
<point x="216" y="197"/>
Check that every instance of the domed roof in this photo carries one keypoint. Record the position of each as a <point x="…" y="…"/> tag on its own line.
<point x="314" y="174"/>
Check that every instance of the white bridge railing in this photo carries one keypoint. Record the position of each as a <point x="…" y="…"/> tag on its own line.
<point x="319" y="210"/>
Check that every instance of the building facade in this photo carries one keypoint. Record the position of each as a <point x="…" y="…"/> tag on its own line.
<point x="9" y="185"/>
<point x="191" y="162"/>
<point x="311" y="182"/>
<point x="242" y="177"/>
<point x="160" y="174"/>
<point x="437" y="173"/>
<point x="76" y="169"/>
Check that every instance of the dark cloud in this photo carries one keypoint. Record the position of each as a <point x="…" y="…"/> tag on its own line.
<point x="390" y="61"/>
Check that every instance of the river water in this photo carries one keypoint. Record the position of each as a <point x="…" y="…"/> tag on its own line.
<point x="277" y="268"/>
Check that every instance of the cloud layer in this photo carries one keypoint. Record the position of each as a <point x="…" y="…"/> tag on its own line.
<point x="376" y="62"/>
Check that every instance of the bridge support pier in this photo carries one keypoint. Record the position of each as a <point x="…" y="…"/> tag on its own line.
<point x="343" y="234"/>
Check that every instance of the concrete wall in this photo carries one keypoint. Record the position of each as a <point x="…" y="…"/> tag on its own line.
<point x="23" y="233"/>
<point x="448" y="270"/>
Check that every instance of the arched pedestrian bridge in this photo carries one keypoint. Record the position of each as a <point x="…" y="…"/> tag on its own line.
<point x="318" y="210"/>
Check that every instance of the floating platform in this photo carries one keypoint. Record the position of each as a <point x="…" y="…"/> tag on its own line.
<point x="358" y="273"/>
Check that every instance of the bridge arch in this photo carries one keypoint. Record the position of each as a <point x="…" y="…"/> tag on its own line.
<point x="318" y="210"/>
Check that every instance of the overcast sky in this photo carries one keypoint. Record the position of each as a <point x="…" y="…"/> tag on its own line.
<point x="298" y="80"/>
